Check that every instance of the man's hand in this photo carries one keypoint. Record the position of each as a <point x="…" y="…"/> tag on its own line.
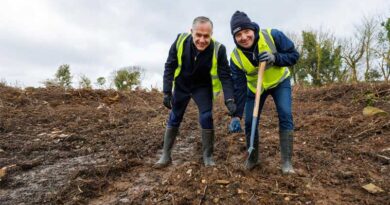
<point x="267" y="57"/>
<point x="167" y="100"/>
<point x="235" y="126"/>
<point x="231" y="106"/>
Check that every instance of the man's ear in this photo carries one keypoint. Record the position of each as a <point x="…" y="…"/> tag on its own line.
<point x="191" y="31"/>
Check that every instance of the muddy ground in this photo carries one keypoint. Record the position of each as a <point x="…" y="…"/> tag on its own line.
<point x="98" y="147"/>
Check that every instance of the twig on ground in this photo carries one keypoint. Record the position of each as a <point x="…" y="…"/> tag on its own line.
<point x="383" y="91"/>
<point x="78" y="187"/>
<point x="204" y="195"/>
<point x="173" y="200"/>
<point x="308" y="167"/>
<point x="370" y="130"/>
<point x="285" y="193"/>
<point x="383" y="157"/>
<point x="227" y="171"/>
<point x="250" y="199"/>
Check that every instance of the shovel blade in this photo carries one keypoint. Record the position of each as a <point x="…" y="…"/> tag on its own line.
<point x="252" y="138"/>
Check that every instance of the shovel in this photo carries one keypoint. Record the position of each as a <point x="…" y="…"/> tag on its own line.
<point x="256" y="108"/>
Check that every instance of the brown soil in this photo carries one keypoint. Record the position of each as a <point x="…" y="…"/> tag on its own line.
<point x="98" y="147"/>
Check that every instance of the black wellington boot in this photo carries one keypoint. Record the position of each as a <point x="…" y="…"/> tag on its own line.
<point x="208" y="146"/>
<point x="286" y="150"/>
<point x="169" y="140"/>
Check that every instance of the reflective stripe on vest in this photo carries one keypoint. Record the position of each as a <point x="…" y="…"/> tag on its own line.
<point x="273" y="75"/>
<point x="216" y="83"/>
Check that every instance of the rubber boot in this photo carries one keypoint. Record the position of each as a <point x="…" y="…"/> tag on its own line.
<point x="253" y="160"/>
<point x="169" y="140"/>
<point x="286" y="150"/>
<point x="208" y="146"/>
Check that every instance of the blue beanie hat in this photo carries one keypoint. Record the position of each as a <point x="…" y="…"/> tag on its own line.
<point x="240" y="21"/>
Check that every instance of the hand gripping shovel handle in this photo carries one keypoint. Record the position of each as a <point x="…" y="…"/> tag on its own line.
<point x="256" y="108"/>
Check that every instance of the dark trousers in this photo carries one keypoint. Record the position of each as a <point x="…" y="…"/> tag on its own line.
<point x="282" y="98"/>
<point x="203" y="97"/>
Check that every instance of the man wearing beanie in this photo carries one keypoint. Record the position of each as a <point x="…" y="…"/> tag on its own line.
<point x="255" y="45"/>
<point x="198" y="68"/>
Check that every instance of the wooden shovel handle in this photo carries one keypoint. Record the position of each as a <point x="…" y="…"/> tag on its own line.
<point x="258" y="88"/>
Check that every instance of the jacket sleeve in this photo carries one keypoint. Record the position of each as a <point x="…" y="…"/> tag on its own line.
<point x="287" y="55"/>
<point x="224" y="74"/>
<point x="170" y="67"/>
<point x="240" y="88"/>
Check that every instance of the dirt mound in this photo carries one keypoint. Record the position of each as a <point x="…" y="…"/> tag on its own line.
<point x="98" y="147"/>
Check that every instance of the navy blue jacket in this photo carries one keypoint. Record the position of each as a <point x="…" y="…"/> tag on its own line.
<point x="286" y="55"/>
<point x="195" y="69"/>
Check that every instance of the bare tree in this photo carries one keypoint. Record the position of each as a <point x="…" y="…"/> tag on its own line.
<point x="352" y="53"/>
<point x="368" y="30"/>
<point x="85" y="82"/>
<point x="384" y="65"/>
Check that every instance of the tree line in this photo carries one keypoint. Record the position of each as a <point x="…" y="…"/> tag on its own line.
<point x="124" y="78"/>
<point x="326" y="59"/>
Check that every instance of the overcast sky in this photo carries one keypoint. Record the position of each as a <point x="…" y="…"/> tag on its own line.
<point x="95" y="37"/>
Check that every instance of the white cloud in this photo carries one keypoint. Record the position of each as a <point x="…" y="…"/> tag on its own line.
<point x="96" y="36"/>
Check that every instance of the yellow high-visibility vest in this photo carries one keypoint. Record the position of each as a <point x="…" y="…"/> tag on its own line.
<point x="216" y="83"/>
<point x="273" y="75"/>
